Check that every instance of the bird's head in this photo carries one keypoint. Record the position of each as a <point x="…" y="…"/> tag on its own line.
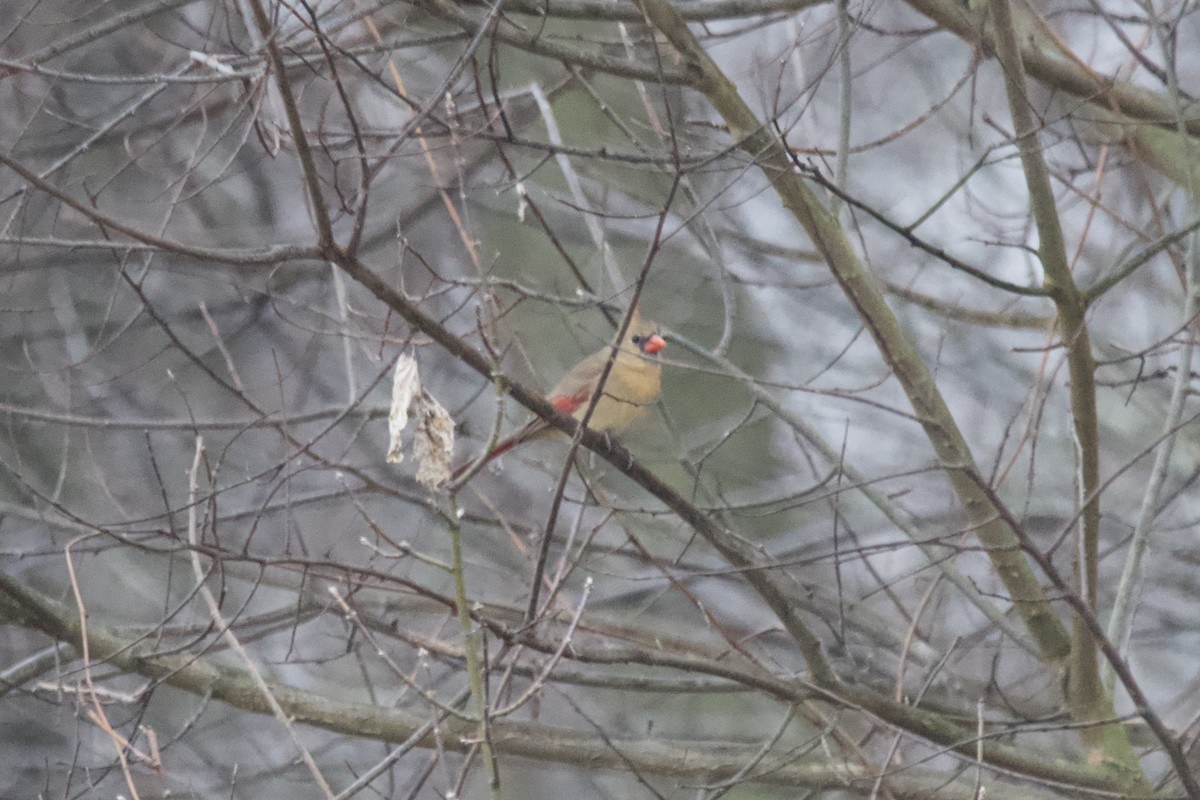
<point x="643" y="334"/>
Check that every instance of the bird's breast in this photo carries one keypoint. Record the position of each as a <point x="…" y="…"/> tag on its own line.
<point x="627" y="394"/>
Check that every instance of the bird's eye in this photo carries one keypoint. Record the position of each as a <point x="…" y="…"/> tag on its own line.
<point x="638" y="339"/>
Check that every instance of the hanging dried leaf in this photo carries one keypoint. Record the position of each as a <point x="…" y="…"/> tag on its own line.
<point x="433" y="442"/>
<point x="406" y="385"/>
<point x="433" y="445"/>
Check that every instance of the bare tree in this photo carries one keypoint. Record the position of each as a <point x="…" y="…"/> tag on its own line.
<point x="913" y="516"/>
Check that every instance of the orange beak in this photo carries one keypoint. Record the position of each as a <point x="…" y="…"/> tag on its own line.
<point x="653" y="344"/>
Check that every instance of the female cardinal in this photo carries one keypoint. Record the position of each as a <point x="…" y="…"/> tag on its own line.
<point x="633" y="384"/>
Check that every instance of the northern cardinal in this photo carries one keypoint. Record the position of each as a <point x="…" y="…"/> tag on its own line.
<point x="633" y="384"/>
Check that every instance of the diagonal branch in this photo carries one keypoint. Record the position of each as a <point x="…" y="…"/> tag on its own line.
<point x="736" y="551"/>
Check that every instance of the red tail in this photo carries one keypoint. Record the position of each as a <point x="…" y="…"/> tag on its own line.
<point x="500" y="449"/>
<point x="534" y="427"/>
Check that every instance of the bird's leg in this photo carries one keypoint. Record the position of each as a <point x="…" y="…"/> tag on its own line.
<point x="610" y="441"/>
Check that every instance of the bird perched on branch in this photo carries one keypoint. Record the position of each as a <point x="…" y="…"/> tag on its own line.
<point x="633" y="384"/>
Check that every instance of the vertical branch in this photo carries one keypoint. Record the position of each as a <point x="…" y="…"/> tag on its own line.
<point x="576" y="439"/>
<point x="1085" y="693"/>
<point x="846" y="78"/>
<point x="472" y="644"/>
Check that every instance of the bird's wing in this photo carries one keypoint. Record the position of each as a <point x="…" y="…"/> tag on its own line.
<point x="575" y="388"/>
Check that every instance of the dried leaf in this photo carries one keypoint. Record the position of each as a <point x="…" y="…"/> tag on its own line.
<point x="406" y="386"/>
<point x="433" y="442"/>
<point x="433" y="445"/>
